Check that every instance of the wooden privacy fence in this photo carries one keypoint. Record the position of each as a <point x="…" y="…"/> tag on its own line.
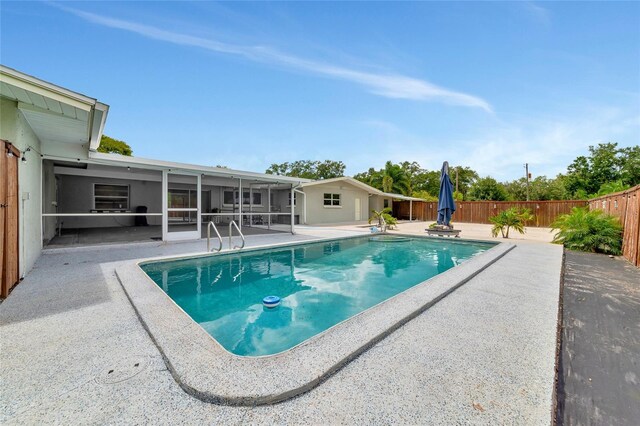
<point x="544" y="212"/>
<point x="625" y="206"/>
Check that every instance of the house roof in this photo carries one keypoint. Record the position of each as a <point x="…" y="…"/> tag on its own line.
<point x="347" y="179"/>
<point x="54" y="113"/>
<point x="147" y="163"/>
<point x="361" y="185"/>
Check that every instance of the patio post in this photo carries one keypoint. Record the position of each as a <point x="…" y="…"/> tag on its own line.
<point x="293" y="204"/>
<point x="269" y="206"/>
<point x="165" y="205"/>
<point x="240" y="201"/>
<point x="410" y="209"/>
<point x="250" y="204"/>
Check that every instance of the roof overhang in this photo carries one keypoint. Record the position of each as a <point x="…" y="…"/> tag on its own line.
<point x="346" y="179"/>
<point x="401" y="197"/>
<point x="55" y="114"/>
<point x="146" y="163"/>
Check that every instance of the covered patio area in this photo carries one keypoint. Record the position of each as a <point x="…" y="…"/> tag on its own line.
<point x="114" y="199"/>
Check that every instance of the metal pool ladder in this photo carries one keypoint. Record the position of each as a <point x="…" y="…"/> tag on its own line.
<point x="231" y="225"/>
<point x="209" y="226"/>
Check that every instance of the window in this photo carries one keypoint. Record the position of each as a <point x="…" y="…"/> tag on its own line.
<point x="110" y="197"/>
<point x="332" y="200"/>
<point x="231" y="197"/>
<point x="295" y="199"/>
<point x="386" y="203"/>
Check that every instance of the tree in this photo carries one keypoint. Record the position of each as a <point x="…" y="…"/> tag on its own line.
<point x="413" y="172"/>
<point x="606" y="163"/>
<point x="540" y="189"/>
<point x="427" y="196"/>
<point x="393" y="178"/>
<point x="409" y="178"/>
<point x="630" y="167"/>
<point x="387" y="183"/>
<point x="466" y="178"/>
<point x="328" y="169"/>
<point x="487" y="189"/>
<point x="309" y="169"/>
<point x="610" y="188"/>
<point x="429" y="181"/>
<point x="371" y="177"/>
<point x="397" y="179"/>
<point x="114" y="146"/>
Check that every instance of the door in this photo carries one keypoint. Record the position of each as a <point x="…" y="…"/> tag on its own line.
<point x="181" y="212"/>
<point x="9" y="260"/>
<point x="358" y="209"/>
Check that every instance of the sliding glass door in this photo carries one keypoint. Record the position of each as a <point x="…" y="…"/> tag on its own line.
<point x="181" y="206"/>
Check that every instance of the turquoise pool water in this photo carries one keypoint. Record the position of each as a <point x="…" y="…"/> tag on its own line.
<point x="320" y="285"/>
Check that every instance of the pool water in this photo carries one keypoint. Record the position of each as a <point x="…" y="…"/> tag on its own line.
<point x="320" y="284"/>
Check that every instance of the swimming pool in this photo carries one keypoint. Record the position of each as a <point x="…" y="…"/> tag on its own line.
<point x="320" y="285"/>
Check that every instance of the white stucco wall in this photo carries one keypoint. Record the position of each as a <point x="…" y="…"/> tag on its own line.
<point x="75" y="195"/>
<point x="318" y="213"/>
<point x="376" y="202"/>
<point x="15" y="129"/>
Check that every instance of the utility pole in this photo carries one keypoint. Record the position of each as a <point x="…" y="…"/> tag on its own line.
<point x="526" y="168"/>
<point x="456" y="179"/>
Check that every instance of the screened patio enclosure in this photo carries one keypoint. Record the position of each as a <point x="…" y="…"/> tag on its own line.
<point x="91" y="203"/>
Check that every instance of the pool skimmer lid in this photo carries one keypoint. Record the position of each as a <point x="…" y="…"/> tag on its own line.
<point x="271" y="301"/>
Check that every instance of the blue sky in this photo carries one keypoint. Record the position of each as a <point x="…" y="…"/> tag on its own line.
<point x="485" y="85"/>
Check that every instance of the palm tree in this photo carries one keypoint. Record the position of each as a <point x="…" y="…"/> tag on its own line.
<point x="398" y="179"/>
<point x="386" y="214"/>
<point x="510" y="218"/>
<point x="387" y="183"/>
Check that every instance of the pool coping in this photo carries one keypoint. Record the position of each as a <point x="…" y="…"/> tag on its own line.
<point x="204" y="369"/>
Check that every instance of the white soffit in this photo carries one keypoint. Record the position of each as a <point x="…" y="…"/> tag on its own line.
<point x="54" y="113"/>
<point x="54" y="127"/>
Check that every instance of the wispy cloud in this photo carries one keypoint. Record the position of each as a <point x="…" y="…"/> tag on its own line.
<point x="386" y="85"/>
<point x="538" y="12"/>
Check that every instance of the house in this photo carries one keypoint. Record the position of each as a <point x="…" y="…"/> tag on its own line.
<point x="344" y="200"/>
<point x="57" y="189"/>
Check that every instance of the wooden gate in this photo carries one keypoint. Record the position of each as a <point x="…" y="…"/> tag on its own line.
<point x="9" y="259"/>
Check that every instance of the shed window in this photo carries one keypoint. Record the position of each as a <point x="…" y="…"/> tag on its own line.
<point x="331" y="199"/>
<point x="110" y="197"/>
<point x="386" y="203"/>
<point x="295" y="199"/>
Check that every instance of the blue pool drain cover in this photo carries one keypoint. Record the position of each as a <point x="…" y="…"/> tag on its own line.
<point x="271" y="301"/>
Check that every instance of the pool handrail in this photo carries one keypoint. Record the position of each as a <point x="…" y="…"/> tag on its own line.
<point x="209" y="226"/>
<point x="231" y="224"/>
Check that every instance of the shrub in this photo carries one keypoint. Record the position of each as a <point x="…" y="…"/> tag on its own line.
<point x="593" y="231"/>
<point x="510" y="218"/>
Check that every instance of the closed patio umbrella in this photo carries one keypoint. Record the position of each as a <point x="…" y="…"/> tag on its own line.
<point x="446" y="204"/>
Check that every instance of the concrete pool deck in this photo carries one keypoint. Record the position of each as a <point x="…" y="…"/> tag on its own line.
<point x="73" y="350"/>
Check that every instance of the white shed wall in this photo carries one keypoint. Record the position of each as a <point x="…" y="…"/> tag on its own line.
<point x="318" y="213"/>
